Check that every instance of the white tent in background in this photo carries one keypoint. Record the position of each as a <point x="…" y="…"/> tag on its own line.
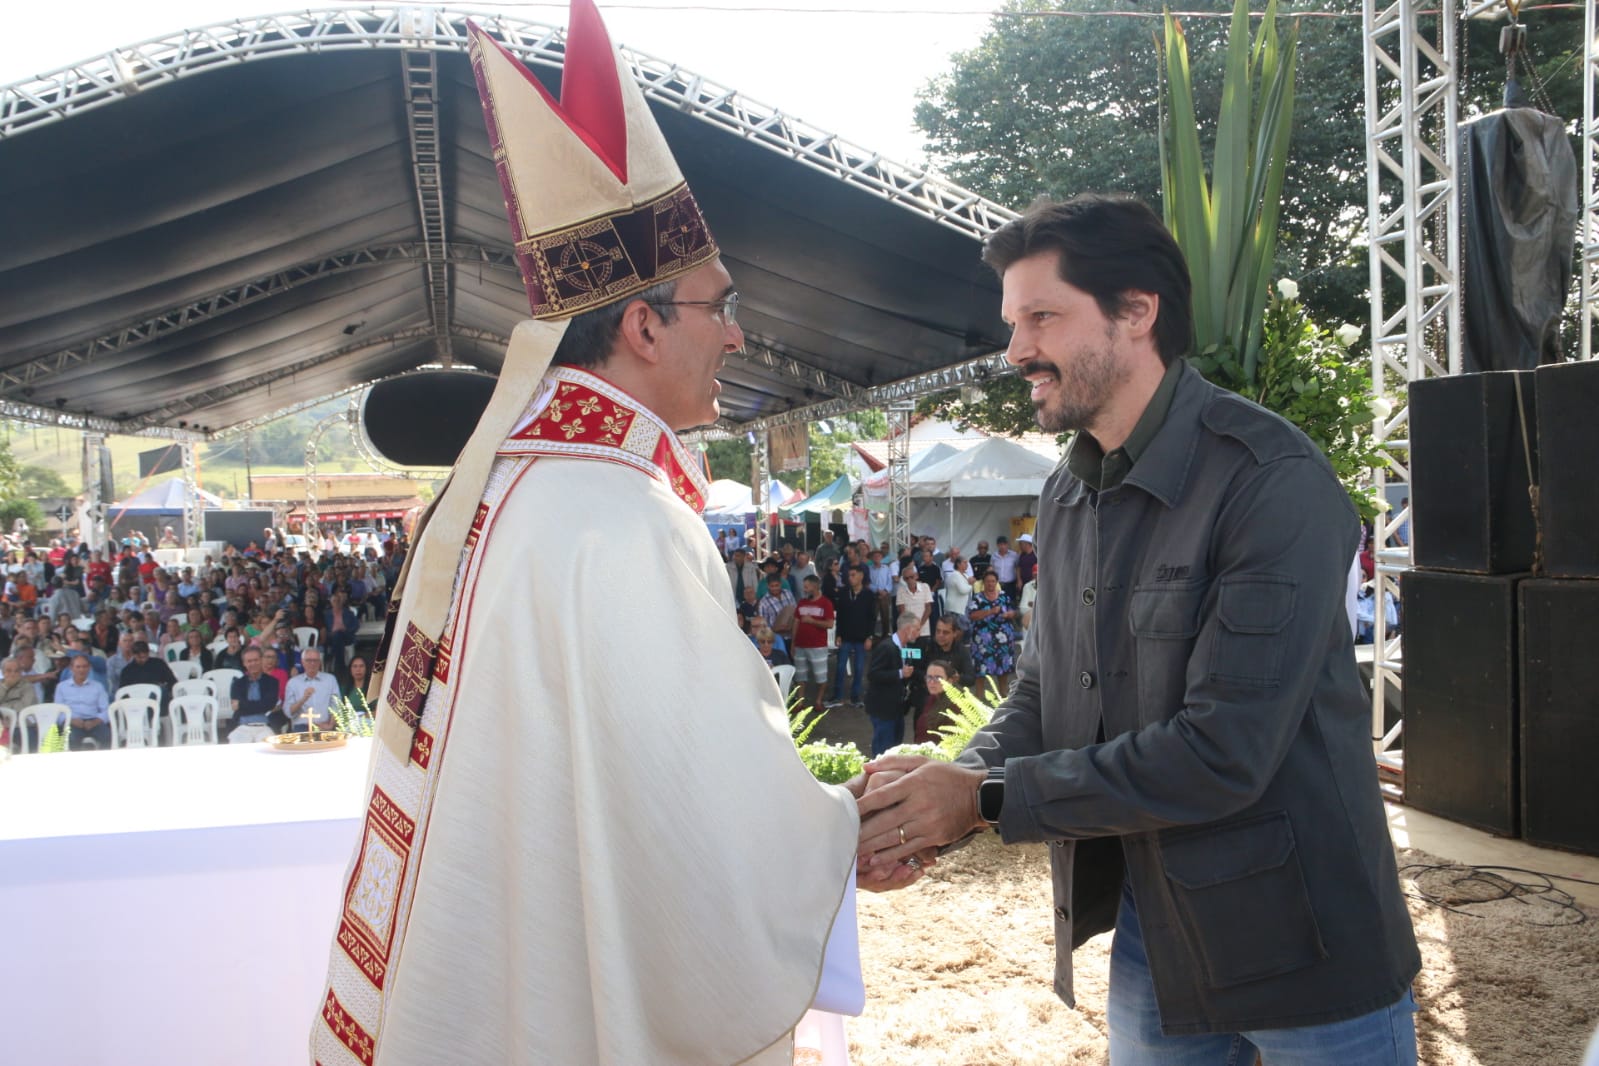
<point x="973" y="495"/>
<point x="734" y="498"/>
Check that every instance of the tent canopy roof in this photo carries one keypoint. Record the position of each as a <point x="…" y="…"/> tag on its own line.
<point x="995" y="468"/>
<point x="226" y="223"/>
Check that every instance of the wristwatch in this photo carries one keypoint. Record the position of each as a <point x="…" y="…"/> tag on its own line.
<point x="991" y="796"/>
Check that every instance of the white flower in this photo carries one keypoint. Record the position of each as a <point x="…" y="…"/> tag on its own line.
<point x="1380" y="407"/>
<point x="1288" y="289"/>
<point x="1348" y="334"/>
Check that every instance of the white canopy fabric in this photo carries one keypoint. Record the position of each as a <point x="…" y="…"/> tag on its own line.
<point x="995" y="468"/>
<point x="728" y="497"/>
<point x="163" y="497"/>
<point x="974" y="494"/>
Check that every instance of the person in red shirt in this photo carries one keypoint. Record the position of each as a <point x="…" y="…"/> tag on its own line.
<point x="100" y="567"/>
<point x="813" y="618"/>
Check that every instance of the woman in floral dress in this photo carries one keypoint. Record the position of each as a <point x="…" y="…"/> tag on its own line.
<point x="993" y="632"/>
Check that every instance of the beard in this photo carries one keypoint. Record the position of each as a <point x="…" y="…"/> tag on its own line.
<point x="1083" y="386"/>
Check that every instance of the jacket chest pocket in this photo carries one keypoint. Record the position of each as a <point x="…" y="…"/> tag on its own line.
<point x="1165" y="622"/>
<point x="1254" y="612"/>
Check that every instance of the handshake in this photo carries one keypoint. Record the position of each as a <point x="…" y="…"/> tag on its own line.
<point x="910" y="806"/>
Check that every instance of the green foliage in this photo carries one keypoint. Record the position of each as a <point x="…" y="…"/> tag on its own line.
<point x="729" y="459"/>
<point x="27" y="510"/>
<point x="55" y="738"/>
<point x="832" y="764"/>
<point x="1311" y="377"/>
<point x="1004" y="408"/>
<point x="1069" y="105"/>
<point x="348" y="718"/>
<point x="38" y="482"/>
<point x="10" y="474"/>
<point x="1226" y="222"/>
<point x="971" y="714"/>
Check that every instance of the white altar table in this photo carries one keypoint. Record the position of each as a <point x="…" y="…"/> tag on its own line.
<point x="171" y="905"/>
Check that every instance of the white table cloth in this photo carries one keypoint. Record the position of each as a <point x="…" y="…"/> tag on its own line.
<point x="171" y="905"/>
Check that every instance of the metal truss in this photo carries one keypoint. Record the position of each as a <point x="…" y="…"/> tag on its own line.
<point x="192" y="509"/>
<point x="48" y="416"/>
<point x="1588" y="232"/>
<point x="94" y="506"/>
<point x="1413" y="227"/>
<point x="899" y="473"/>
<point x="210" y="397"/>
<point x="312" y="443"/>
<point x="163" y="323"/>
<point x="811" y="377"/>
<point x="950" y="377"/>
<point x="421" y="72"/>
<point x="761" y="459"/>
<point x="136" y="68"/>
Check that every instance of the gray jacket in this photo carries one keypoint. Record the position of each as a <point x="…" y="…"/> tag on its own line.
<point x="1187" y="704"/>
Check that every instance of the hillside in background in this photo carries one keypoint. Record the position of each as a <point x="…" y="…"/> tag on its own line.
<point x="275" y="448"/>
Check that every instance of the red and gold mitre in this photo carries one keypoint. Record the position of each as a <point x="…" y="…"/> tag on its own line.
<point x="599" y="210"/>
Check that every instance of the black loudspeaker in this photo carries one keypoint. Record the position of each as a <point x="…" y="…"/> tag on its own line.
<point x="1568" y="445"/>
<point x="1559" y="713"/>
<point x="1461" y="737"/>
<point x="1470" y="509"/>
<point x="425" y="419"/>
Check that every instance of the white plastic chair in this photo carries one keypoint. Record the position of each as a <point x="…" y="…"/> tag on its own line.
<point x="185" y="669"/>
<point x="171" y="651"/>
<point x="219" y="644"/>
<point x="42" y="718"/>
<point x="197" y="686"/>
<point x="785" y="679"/>
<point x="140" y="692"/>
<point x="222" y="680"/>
<point x="133" y="723"/>
<point x="193" y="720"/>
<point x="305" y="637"/>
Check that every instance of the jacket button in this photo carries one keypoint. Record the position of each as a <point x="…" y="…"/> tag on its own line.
<point x="1085" y="679"/>
<point x="1088" y="597"/>
<point x="1062" y="914"/>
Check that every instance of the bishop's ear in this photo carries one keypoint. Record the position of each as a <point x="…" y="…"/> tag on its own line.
<point x="639" y="331"/>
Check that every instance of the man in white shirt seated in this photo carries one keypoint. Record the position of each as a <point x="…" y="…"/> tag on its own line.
<point x="312" y="692"/>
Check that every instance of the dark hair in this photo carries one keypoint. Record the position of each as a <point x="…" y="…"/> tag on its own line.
<point x="1108" y="245"/>
<point x="591" y="335"/>
<point x="950" y="673"/>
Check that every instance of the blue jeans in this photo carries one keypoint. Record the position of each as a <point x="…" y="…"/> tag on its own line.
<point x="1384" y="1037"/>
<point x="853" y="652"/>
<point x="887" y="732"/>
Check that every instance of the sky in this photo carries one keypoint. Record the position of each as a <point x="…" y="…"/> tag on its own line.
<point x="854" y="72"/>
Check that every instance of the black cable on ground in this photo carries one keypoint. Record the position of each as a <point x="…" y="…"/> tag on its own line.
<point x="1455" y="886"/>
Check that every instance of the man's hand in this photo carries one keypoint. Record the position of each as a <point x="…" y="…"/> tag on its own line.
<point x="890" y="878"/>
<point x="933" y="804"/>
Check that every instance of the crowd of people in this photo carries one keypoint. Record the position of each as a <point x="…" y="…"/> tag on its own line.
<point x="77" y="626"/>
<point x="950" y="619"/>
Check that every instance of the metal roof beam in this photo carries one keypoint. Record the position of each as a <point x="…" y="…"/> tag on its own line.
<point x="163" y="323"/>
<point x="106" y="79"/>
<point x="419" y="67"/>
<point x="266" y="378"/>
<point x="49" y="416"/>
<point x="973" y="371"/>
<point x="811" y="377"/>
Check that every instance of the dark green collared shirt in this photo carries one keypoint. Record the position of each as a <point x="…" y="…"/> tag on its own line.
<point x="1089" y="463"/>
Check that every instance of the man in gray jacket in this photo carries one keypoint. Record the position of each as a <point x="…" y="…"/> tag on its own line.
<point x="1187" y="725"/>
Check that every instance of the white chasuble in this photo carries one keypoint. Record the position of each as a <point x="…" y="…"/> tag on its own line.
<point x="601" y="846"/>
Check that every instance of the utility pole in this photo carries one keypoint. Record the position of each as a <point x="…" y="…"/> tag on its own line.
<point x="248" y="490"/>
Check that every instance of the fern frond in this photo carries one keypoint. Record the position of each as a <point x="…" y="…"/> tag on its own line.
<point x="968" y="716"/>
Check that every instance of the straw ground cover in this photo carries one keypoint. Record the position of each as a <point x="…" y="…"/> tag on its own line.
<point x="958" y="972"/>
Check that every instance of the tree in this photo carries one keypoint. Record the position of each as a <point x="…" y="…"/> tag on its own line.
<point x="40" y="482"/>
<point x="25" y="509"/>
<point x="729" y="459"/>
<point x="1061" y="104"/>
